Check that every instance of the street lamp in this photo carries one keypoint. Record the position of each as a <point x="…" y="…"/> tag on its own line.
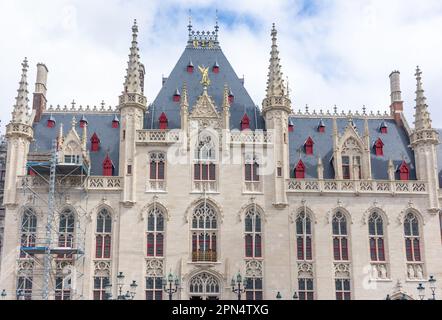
<point x="421" y="290"/>
<point x="278" y="296"/>
<point x="432" y="282"/>
<point x="129" y="295"/>
<point x="238" y="286"/>
<point x="171" y="280"/>
<point x="432" y="285"/>
<point x="3" y="294"/>
<point x="20" y="294"/>
<point x="295" y="296"/>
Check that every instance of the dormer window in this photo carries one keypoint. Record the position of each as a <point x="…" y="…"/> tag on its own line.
<point x="215" y="67"/>
<point x="308" y="146"/>
<point x="321" y="126"/>
<point x="108" y="167"/>
<point x="177" y="96"/>
<point x="291" y="125"/>
<point x="115" y="122"/>
<point x="95" y="143"/>
<point x="190" y="67"/>
<point x="404" y="172"/>
<point x="163" y="121"/>
<point x="379" y="147"/>
<point x="383" y="128"/>
<point x="51" y="122"/>
<point x="83" y="121"/>
<point x="231" y="97"/>
<point x="300" y="170"/>
<point x="245" y="122"/>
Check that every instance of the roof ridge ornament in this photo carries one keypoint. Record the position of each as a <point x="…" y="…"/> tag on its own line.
<point x="203" y="39"/>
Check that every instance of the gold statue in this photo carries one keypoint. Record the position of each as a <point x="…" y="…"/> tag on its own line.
<point x="205" y="81"/>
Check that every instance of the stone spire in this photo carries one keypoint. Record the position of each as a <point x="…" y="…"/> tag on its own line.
<point x="275" y="81"/>
<point x="422" y="119"/>
<point x="133" y="81"/>
<point x="226" y="108"/>
<point x="20" y="114"/>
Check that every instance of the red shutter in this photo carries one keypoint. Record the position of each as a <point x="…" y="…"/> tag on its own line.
<point x="308" y="248"/>
<point x="321" y="129"/>
<point x="381" y="250"/>
<point x="190" y="69"/>
<point x="215" y="69"/>
<point x="245" y="122"/>
<point x="95" y="143"/>
<point x="150" y="244"/>
<point x="51" y="124"/>
<point x="99" y="246"/>
<point x="404" y="171"/>
<point x="336" y="249"/>
<point x="300" y="170"/>
<point x="309" y="146"/>
<point x="107" y="167"/>
<point x="379" y="147"/>
<point x="115" y="124"/>
<point x="408" y="249"/>
<point x="163" y="121"/>
<point x="300" y="248"/>
<point x="373" y="251"/>
<point x="107" y="246"/>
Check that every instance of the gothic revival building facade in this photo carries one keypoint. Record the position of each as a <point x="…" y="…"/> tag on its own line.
<point x="203" y="184"/>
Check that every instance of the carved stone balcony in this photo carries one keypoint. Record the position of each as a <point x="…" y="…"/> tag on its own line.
<point x="204" y="256"/>
<point x="156" y="186"/>
<point x="104" y="183"/>
<point x="157" y="137"/>
<point x="357" y="186"/>
<point x="252" y="187"/>
<point x="205" y="186"/>
<point x="251" y="137"/>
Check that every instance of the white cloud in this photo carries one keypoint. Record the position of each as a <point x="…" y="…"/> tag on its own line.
<point x="340" y="53"/>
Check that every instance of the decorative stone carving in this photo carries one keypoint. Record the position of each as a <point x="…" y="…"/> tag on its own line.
<point x="102" y="268"/>
<point x="154" y="267"/>
<point x="415" y="271"/>
<point x="253" y="269"/>
<point x="305" y="270"/>
<point x="379" y="271"/>
<point x="341" y="270"/>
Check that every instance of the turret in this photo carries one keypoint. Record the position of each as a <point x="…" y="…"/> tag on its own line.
<point x="132" y="108"/>
<point x="397" y="105"/>
<point x="19" y="134"/>
<point x="39" y="100"/>
<point x="276" y="108"/>
<point x="424" y="141"/>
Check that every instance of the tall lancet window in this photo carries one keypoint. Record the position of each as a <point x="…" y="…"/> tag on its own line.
<point x="204" y="232"/>
<point x="155" y="232"/>
<point x="376" y="237"/>
<point x="340" y="237"/>
<point x="412" y="238"/>
<point x="253" y="236"/>
<point x="205" y="156"/>
<point x="28" y="231"/>
<point x="103" y="235"/>
<point x="66" y="232"/>
<point x="303" y="236"/>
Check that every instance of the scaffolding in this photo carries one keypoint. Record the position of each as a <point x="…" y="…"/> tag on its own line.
<point x="51" y="262"/>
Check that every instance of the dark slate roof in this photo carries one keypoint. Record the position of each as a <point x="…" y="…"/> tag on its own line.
<point x="100" y="123"/>
<point x="439" y="159"/>
<point x="396" y="145"/>
<point x="207" y="57"/>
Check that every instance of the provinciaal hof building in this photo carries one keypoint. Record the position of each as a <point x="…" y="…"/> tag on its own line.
<point x="199" y="184"/>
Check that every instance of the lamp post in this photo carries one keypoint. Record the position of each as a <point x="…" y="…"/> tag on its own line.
<point x="129" y="295"/>
<point x="432" y="285"/>
<point x="238" y="286"/>
<point x="171" y="281"/>
<point x="3" y="294"/>
<point x="295" y="296"/>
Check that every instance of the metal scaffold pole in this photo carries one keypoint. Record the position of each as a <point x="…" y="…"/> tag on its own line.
<point x="48" y="240"/>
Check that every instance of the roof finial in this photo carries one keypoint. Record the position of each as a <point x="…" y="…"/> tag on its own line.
<point x="422" y="116"/>
<point x="133" y="83"/>
<point x="275" y="82"/>
<point x="189" y="26"/>
<point x="21" y="107"/>
<point x="216" y="22"/>
<point x="74" y="122"/>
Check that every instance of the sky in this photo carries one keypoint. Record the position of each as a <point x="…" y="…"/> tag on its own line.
<point x="332" y="52"/>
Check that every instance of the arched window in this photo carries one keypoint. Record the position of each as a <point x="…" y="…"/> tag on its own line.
<point x="155" y="232"/>
<point x="351" y="159"/>
<point x="204" y="285"/>
<point x="251" y="168"/>
<point x="253" y="235"/>
<point x="412" y="238"/>
<point x="204" y="233"/>
<point x="376" y="237"/>
<point x="157" y="166"/>
<point x="28" y="231"/>
<point x="103" y="237"/>
<point x="66" y="231"/>
<point x="340" y="237"/>
<point x="205" y="155"/>
<point x="303" y="236"/>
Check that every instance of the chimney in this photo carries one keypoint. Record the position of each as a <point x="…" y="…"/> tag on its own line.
<point x="39" y="102"/>
<point x="397" y="105"/>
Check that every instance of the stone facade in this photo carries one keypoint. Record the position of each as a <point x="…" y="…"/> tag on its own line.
<point x="188" y="202"/>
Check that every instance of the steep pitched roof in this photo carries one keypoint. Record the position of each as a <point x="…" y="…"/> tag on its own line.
<point x="243" y="103"/>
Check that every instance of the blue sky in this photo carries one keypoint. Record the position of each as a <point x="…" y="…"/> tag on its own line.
<point x="333" y="52"/>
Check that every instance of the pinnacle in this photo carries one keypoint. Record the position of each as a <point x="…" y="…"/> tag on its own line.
<point x="21" y="108"/>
